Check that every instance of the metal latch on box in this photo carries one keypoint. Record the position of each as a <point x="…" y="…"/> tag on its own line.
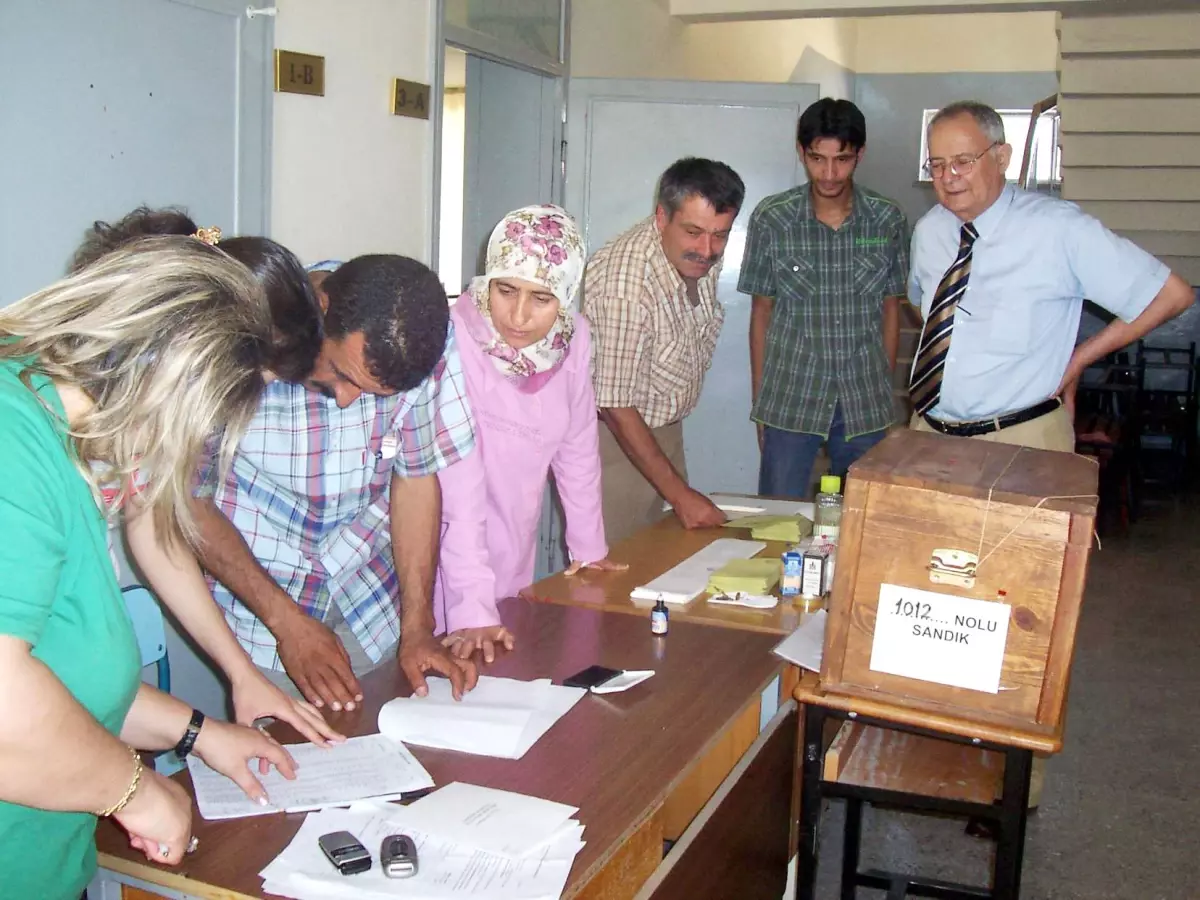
<point x="953" y="567"/>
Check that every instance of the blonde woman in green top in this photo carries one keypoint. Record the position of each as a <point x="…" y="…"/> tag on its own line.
<point x="125" y="368"/>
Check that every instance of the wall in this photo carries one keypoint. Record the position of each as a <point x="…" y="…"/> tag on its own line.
<point x="1131" y="129"/>
<point x="640" y="39"/>
<point x="976" y="42"/>
<point x="349" y="177"/>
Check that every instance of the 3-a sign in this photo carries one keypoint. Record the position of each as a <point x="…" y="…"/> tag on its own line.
<point x="410" y="98"/>
<point x="940" y="638"/>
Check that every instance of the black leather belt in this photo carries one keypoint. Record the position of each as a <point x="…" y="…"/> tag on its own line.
<point x="987" y="426"/>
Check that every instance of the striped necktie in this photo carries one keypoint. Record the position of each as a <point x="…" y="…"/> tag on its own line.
<point x="925" y="386"/>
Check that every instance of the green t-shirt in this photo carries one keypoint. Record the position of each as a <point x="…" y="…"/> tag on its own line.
<point x="58" y="591"/>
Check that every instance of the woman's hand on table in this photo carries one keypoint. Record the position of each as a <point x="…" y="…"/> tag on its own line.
<point x="228" y="749"/>
<point x="255" y="697"/>
<point x="466" y="641"/>
<point x="600" y="565"/>
<point x="158" y="818"/>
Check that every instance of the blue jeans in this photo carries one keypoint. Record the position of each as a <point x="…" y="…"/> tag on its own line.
<point x="788" y="456"/>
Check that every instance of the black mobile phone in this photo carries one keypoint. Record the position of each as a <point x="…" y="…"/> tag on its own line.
<point x="591" y="677"/>
<point x="345" y="852"/>
<point x="398" y="856"/>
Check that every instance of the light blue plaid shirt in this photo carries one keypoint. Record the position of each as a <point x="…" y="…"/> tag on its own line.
<point x="1015" y="328"/>
<point x="308" y="490"/>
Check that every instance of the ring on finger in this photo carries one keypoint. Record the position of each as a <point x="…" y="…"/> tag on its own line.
<point x="192" y="845"/>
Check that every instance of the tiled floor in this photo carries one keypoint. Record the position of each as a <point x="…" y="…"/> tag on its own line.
<point x="1122" y="801"/>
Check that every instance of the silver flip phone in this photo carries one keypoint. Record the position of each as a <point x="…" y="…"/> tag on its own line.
<point x="345" y="852"/>
<point x="398" y="856"/>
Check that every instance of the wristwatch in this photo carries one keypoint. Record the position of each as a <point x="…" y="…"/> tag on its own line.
<point x="184" y="747"/>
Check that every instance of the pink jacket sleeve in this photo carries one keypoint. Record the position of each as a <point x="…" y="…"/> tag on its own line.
<point x="466" y="590"/>
<point x="576" y="463"/>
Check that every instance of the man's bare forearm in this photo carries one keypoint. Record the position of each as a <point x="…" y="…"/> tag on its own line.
<point x="891" y="329"/>
<point x="637" y="441"/>
<point x="761" y="309"/>
<point x="175" y="576"/>
<point x="224" y="552"/>
<point x="415" y="517"/>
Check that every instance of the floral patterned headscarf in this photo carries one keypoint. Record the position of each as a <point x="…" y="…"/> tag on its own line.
<point x="540" y="244"/>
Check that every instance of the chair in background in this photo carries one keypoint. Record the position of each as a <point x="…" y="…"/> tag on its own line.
<point x="150" y="631"/>
<point x="1167" y="414"/>
<point x="1107" y="429"/>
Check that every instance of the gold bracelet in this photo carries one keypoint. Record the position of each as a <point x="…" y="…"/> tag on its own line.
<point x="129" y="791"/>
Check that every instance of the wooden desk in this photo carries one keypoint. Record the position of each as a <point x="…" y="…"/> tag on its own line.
<point x="618" y="758"/>
<point x="649" y="553"/>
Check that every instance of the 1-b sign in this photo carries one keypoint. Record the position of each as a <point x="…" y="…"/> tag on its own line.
<point x="940" y="638"/>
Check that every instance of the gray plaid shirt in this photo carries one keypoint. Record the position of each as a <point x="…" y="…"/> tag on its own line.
<point x="825" y="340"/>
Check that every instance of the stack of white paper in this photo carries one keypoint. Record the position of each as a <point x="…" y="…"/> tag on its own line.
<point x="471" y="842"/>
<point x="500" y="717"/>
<point x="365" y="767"/>
<point x="689" y="579"/>
<point x="804" y="645"/>
<point x="736" y="506"/>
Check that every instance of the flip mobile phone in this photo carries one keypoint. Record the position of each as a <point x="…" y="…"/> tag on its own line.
<point x="398" y="856"/>
<point x="345" y="852"/>
<point x="592" y="676"/>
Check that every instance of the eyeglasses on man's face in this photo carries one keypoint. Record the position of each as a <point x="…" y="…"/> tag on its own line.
<point x="963" y="164"/>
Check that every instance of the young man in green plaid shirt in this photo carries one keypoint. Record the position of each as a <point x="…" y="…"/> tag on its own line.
<point x="826" y="263"/>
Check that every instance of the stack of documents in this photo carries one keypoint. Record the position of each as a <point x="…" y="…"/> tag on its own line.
<point x="471" y="842"/>
<point x="804" y="645"/>
<point x="689" y="579"/>
<point x="501" y="717"/>
<point x="736" y="506"/>
<point x="774" y="528"/>
<point x="747" y="576"/>
<point x="362" y="768"/>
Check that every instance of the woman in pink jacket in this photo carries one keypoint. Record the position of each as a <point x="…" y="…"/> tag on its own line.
<point x="526" y="356"/>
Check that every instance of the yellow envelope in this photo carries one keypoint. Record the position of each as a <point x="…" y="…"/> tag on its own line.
<point x="749" y="576"/>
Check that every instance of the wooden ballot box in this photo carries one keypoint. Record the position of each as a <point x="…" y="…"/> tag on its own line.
<point x="959" y="577"/>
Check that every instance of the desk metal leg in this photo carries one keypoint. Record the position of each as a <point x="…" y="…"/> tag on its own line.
<point x="850" y="848"/>
<point x="1010" y="845"/>
<point x="810" y="802"/>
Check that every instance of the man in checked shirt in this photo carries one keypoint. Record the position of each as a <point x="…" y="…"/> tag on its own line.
<point x="651" y="298"/>
<point x="323" y="539"/>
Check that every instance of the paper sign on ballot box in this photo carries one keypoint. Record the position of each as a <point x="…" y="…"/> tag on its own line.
<point x="957" y="641"/>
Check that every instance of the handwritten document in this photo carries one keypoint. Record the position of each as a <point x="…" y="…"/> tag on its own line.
<point x="940" y="638"/>
<point x="365" y="767"/>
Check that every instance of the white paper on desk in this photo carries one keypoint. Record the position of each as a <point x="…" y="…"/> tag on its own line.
<point x="447" y="870"/>
<point x="361" y="768"/>
<point x="803" y="646"/>
<point x="501" y="717"/>
<point x="735" y="506"/>
<point x="488" y="819"/>
<point x="689" y="579"/>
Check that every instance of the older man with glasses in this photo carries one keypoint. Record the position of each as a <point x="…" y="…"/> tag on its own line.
<point x="1000" y="275"/>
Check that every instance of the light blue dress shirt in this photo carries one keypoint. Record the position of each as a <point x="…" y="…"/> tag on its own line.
<point x="1035" y="261"/>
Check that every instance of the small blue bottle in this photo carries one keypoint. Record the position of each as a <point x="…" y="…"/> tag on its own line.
<point x="659" y="617"/>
